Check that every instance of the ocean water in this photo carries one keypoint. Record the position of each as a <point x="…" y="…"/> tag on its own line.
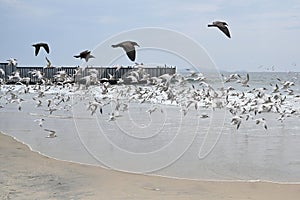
<point x="165" y="142"/>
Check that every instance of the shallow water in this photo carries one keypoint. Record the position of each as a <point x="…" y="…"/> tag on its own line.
<point x="164" y="143"/>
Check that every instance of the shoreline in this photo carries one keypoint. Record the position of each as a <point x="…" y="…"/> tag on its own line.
<point x="25" y="172"/>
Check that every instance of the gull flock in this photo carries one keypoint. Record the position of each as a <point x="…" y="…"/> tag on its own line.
<point x="192" y="91"/>
<point x="187" y="92"/>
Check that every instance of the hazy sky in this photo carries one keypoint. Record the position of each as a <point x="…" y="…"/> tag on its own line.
<point x="265" y="33"/>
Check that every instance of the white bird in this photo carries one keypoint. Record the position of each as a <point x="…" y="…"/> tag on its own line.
<point x="48" y="63"/>
<point x="153" y="109"/>
<point x="93" y="105"/>
<point x="15" y="76"/>
<point x="132" y="78"/>
<point x="2" y="72"/>
<point x="12" y="62"/>
<point x="40" y="121"/>
<point x="231" y="77"/>
<point x="245" y="81"/>
<point x="38" y="103"/>
<point x="261" y="121"/>
<point x="275" y="89"/>
<point x="204" y="116"/>
<point x="236" y="120"/>
<point x="112" y="117"/>
<point x="18" y="101"/>
<point x="52" y="133"/>
<point x="37" y="73"/>
<point x="118" y="67"/>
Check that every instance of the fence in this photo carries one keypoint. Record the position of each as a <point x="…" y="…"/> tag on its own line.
<point x="102" y="72"/>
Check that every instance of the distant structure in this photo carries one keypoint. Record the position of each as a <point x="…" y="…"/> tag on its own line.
<point x="102" y="72"/>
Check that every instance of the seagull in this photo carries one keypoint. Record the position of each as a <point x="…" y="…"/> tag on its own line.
<point x="40" y="121"/>
<point x="275" y="89"/>
<point x="236" y="120"/>
<point x="2" y="72"/>
<point x="52" y="133"/>
<point x="85" y="54"/>
<point x="204" y="116"/>
<point x="152" y="109"/>
<point x="37" y="47"/>
<point x="48" y="62"/>
<point x="262" y="121"/>
<point x="12" y="62"/>
<point x="112" y="117"/>
<point x="222" y="26"/>
<point x="245" y="81"/>
<point x="128" y="47"/>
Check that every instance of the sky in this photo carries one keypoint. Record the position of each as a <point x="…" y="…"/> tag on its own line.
<point x="265" y="33"/>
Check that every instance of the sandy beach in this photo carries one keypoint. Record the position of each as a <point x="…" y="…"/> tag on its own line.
<point x="29" y="175"/>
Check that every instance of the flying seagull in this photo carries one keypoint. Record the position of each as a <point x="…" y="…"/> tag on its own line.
<point x="12" y="62"/>
<point x="37" y="47"/>
<point x="52" y="133"/>
<point x="40" y="121"/>
<point x="48" y="62"/>
<point x="85" y="54"/>
<point x="222" y="26"/>
<point x="128" y="47"/>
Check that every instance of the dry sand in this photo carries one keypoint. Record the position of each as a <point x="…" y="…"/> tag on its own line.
<point x="29" y="175"/>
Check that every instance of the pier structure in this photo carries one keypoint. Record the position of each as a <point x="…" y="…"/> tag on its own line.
<point x="76" y="72"/>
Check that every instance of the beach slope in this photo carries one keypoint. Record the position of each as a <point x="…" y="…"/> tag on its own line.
<point x="29" y="175"/>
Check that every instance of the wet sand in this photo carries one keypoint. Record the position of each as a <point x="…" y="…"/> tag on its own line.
<point x="29" y="175"/>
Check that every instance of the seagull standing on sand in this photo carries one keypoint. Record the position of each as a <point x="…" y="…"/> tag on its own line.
<point x="222" y="26"/>
<point x="128" y="47"/>
<point x="85" y="54"/>
<point x="37" y="47"/>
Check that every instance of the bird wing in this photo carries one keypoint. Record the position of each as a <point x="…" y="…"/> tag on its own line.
<point x="46" y="47"/>
<point x="224" y="29"/>
<point x="84" y="54"/>
<point x="130" y="51"/>
<point x="49" y="130"/>
<point x="131" y="55"/>
<point x="37" y="49"/>
<point x="128" y="48"/>
<point x="48" y="62"/>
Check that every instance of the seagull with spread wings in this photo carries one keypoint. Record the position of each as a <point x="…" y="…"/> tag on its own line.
<point x="85" y="55"/>
<point x="222" y="26"/>
<point x="129" y="48"/>
<point x="37" y="47"/>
